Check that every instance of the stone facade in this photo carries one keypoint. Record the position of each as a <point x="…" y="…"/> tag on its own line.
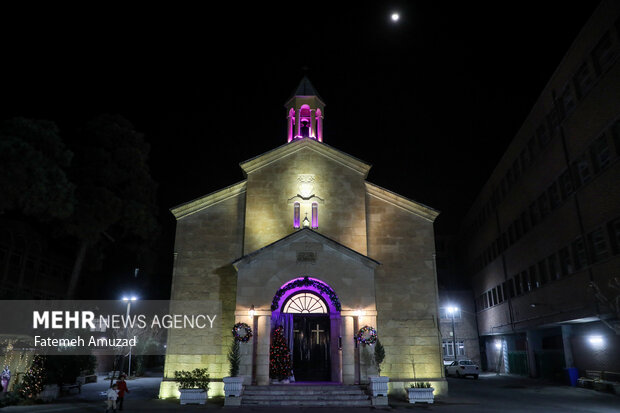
<point x="374" y="249"/>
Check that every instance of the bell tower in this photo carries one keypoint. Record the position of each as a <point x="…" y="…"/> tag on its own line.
<point x="304" y="111"/>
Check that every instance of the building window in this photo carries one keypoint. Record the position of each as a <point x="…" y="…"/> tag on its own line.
<point x="554" y="196"/>
<point x="448" y="347"/>
<point x="604" y="54"/>
<point x="579" y="253"/>
<point x="615" y="131"/>
<point x="568" y="101"/>
<point x="527" y="283"/>
<point x="566" y="184"/>
<point x="554" y="267"/>
<point x="500" y="294"/>
<point x="614" y="235"/>
<point x="518" y="284"/>
<point x="315" y="215"/>
<point x="534" y="281"/>
<point x="543" y="135"/>
<point x="566" y="265"/>
<point x="542" y="272"/>
<point x="598" y="245"/>
<point x="599" y="152"/>
<point x="584" y="80"/>
<point x="534" y="215"/>
<point x="296" y="215"/>
<point x="543" y="205"/>
<point x="582" y="170"/>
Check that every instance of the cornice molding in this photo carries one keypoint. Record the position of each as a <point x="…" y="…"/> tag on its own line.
<point x="198" y="204"/>
<point x="399" y="201"/>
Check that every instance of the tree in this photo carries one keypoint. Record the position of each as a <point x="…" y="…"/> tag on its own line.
<point x="34" y="161"/>
<point x="115" y="195"/>
<point x="379" y="356"/>
<point x="234" y="358"/>
<point x="610" y="299"/>
<point x="279" y="356"/>
<point x="33" y="381"/>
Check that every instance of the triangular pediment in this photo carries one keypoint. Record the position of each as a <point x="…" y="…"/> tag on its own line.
<point x="293" y="147"/>
<point x="304" y="241"/>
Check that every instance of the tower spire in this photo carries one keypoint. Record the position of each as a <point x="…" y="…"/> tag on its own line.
<point x="305" y="112"/>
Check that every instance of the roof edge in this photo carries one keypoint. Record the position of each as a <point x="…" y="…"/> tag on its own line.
<point x="198" y="204"/>
<point x="290" y="148"/>
<point x="417" y="208"/>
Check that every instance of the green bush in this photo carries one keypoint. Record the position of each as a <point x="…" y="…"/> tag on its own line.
<point x="195" y="379"/>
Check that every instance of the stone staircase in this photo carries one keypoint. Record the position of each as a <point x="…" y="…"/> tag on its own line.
<point x="305" y="395"/>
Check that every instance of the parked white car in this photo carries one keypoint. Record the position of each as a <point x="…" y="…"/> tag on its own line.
<point x="462" y="368"/>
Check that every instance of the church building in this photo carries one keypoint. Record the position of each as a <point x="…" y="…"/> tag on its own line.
<point x="307" y="243"/>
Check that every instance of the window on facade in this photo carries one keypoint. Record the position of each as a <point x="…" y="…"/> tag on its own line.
<point x="518" y="284"/>
<point x="494" y="293"/>
<point x="534" y="214"/>
<point x="614" y="235"/>
<point x="543" y="205"/>
<point x="534" y="281"/>
<point x="448" y="347"/>
<point x="615" y="131"/>
<point x="510" y="286"/>
<point x="527" y="282"/>
<point x="554" y="196"/>
<point x="524" y="157"/>
<point x="485" y="300"/>
<point x="296" y="215"/>
<point x="315" y="215"/>
<point x="491" y="302"/>
<point x="305" y="303"/>
<point x="543" y="274"/>
<point x="554" y="267"/>
<point x="598" y="245"/>
<point x="604" y="54"/>
<point x="568" y="101"/>
<point x="500" y="294"/>
<point x="584" y="80"/>
<point x="525" y="223"/>
<point x="581" y="166"/>
<point x="542" y="133"/>
<point x="579" y="253"/>
<point x="599" y="152"/>
<point x="566" y="184"/>
<point x="566" y="265"/>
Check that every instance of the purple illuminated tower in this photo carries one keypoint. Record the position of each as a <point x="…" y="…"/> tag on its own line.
<point x="305" y="110"/>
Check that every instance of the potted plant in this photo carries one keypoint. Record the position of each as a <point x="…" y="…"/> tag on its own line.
<point x="378" y="383"/>
<point x="193" y="385"/>
<point x="420" y="391"/>
<point x="233" y="385"/>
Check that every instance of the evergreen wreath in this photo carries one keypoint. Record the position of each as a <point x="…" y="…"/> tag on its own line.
<point x="242" y="326"/>
<point x="367" y="335"/>
<point x="306" y="282"/>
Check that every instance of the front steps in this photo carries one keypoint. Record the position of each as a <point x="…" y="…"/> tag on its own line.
<point x="306" y="395"/>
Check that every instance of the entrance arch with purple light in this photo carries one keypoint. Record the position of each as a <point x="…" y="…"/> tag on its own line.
<point x="329" y="297"/>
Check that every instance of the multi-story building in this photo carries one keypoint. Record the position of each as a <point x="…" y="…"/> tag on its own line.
<point x="545" y="227"/>
<point x="457" y="323"/>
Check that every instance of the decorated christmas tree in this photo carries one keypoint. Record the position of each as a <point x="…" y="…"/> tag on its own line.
<point x="32" y="383"/>
<point x="279" y="356"/>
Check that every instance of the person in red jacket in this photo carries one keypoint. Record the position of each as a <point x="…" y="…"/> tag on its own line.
<point x="122" y="389"/>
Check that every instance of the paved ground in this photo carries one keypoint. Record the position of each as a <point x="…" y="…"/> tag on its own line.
<point x="488" y="394"/>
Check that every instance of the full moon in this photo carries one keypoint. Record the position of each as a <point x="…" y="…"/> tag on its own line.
<point x="395" y="17"/>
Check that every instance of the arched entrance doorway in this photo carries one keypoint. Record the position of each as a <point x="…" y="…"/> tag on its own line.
<point x="309" y="311"/>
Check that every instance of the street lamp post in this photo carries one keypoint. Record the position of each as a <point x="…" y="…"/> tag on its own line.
<point x="452" y="311"/>
<point x="128" y="300"/>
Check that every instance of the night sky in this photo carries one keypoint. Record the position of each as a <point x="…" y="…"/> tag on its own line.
<point x="431" y="102"/>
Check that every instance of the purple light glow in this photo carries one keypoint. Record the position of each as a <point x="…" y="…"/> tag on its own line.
<point x="293" y="291"/>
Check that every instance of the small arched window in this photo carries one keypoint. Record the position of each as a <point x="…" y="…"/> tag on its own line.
<point x="315" y="215"/>
<point x="304" y="303"/>
<point x="296" y="215"/>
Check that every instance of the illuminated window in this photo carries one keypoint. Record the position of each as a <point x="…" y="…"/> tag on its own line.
<point x="305" y="303"/>
<point x="315" y="215"/>
<point x="296" y="215"/>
